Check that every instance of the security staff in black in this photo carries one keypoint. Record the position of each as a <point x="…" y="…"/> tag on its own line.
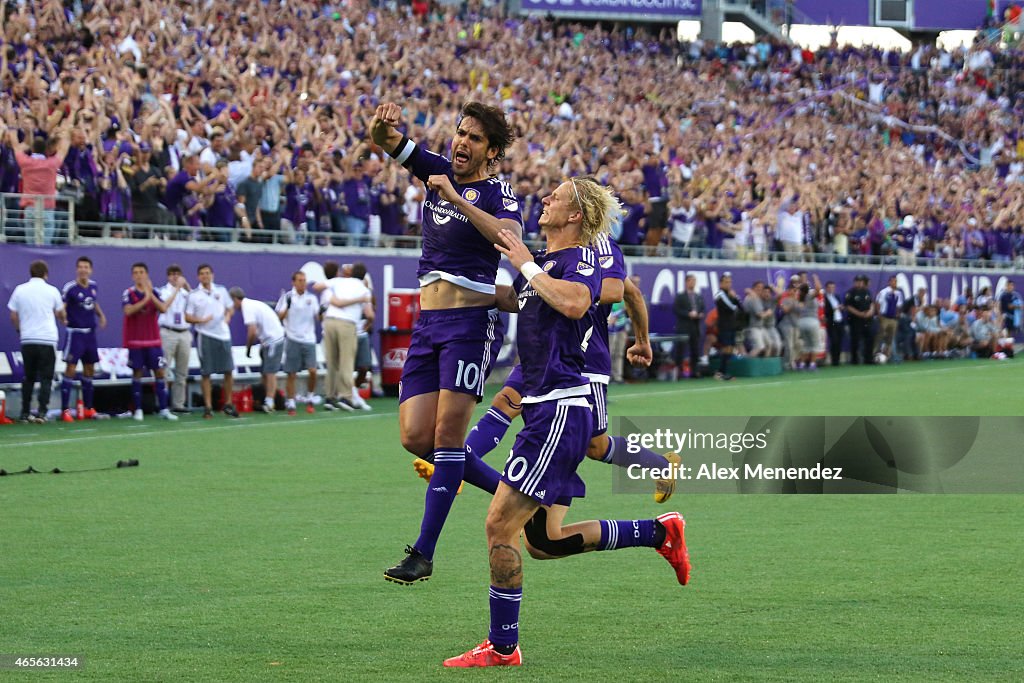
<point x="728" y="307"/>
<point x="860" y="314"/>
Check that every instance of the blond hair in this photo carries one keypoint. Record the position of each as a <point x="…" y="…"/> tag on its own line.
<point x="599" y="207"/>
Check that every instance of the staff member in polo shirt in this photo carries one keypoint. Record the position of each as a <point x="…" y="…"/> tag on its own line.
<point x="35" y="307"/>
<point x="175" y="336"/>
<point x="262" y="324"/>
<point x="299" y="310"/>
<point x="346" y="299"/>
<point x="209" y="309"/>
<point x="890" y="303"/>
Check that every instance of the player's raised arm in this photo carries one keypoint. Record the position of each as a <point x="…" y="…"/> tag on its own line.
<point x="383" y="129"/>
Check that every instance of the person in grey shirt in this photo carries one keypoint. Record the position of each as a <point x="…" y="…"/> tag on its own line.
<point x="270" y="201"/>
<point x="761" y="315"/>
<point x="250" y="193"/>
<point x="804" y="310"/>
<point x="984" y="334"/>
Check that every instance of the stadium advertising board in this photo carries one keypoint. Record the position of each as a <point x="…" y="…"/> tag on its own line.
<point x="263" y="275"/>
<point x="651" y="10"/>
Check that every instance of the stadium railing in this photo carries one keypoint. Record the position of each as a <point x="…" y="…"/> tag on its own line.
<point x="70" y="231"/>
<point x="26" y="218"/>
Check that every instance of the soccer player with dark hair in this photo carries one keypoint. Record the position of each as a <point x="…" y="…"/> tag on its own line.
<point x="83" y="315"/>
<point x="456" y="337"/>
<point x="142" y="308"/>
<point x="507" y="404"/>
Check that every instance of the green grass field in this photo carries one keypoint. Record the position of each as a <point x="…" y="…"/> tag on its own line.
<point x="252" y="550"/>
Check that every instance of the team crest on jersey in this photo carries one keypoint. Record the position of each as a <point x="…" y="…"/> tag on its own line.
<point x="471" y="195"/>
<point x="584" y="268"/>
<point x="548" y="266"/>
<point x="606" y="262"/>
<point x="510" y="204"/>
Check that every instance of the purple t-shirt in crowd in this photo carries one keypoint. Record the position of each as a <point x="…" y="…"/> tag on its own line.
<point x="80" y="305"/>
<point x="221" y="213"/>
<point x="550" y="344"/>
<point x="598" y="363"/>
<point x="298" y="200"/>
<point x="453" y="249"/>
<point x="175" y="193"/>
<point x="357" y="196"/>
<point x="391" y="222"/>
<point x="631" y="224"/>
<point x="1002" y="242"/>
<point x="655" y="181"/>
<point x="79" y="165"/>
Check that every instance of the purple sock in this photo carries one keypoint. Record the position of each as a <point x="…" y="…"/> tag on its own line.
<point x="88" y="391"/>
<point x="488" y="433"/>
<point x="137" y="393"/>
<point x="618" y="454"/>
<point x="505" y="616"/>
<point x="161" y="394"/>
<point x="627" y="533"/>
<point x="449" y="466"/>
<point x="480" y="474"/>
<point x="66" y="385"/>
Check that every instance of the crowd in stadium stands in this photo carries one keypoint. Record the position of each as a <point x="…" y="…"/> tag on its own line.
<point x="804" y="321"/>
<point x="253" y="115"/>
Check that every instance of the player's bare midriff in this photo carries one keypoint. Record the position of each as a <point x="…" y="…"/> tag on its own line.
<point x="442" y="294"/>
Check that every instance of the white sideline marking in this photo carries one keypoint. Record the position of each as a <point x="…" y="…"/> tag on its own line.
<point x="237" y="424"/>
<point x="683" y="386"/>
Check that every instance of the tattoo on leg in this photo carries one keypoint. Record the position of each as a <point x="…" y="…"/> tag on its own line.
<point x="506" y="566"/>
<point x="511" y="405"/>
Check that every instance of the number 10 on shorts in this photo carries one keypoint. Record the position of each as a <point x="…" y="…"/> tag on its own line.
<point x="468" y="375"/>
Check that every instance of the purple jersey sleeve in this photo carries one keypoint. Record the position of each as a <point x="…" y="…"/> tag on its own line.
<point x="598" y="364"/>
<point x="420" y="162"/>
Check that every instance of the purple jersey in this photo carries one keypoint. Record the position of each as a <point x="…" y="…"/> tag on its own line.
<point x="453" y="249"/>
<point x="598" y="363"/>
<point x="655" y="181"/>
<point x="80" y="303"/>
<point x="552" y="346"/>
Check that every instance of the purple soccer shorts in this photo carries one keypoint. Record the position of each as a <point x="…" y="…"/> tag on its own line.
<point x="81" y="346"/>
<point x="453" y="349"/>
<point x="549" y="448"/>
<point x="149" y="358"/>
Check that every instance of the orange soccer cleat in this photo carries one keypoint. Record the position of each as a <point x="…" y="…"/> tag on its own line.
<point x="484" y="654"/>
<point x="425" y="470"/>
<point x="674" y="547"/>
<point x="66" y="416"/>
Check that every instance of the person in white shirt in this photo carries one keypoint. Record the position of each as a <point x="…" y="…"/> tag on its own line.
<point x="790" y="229"/>
<point x="347" y="300"/>
<point x="364" y="358"/>
<point x="175" y="335"/>
<point x="263" y="325"/>
<point x="299" y="310"/>
<point x="209" y="309"/>
<point x="35" y="308"/>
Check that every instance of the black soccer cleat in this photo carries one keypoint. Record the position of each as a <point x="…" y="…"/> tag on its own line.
<point x="413" y="568"/>
<point x="230" y="410"/>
